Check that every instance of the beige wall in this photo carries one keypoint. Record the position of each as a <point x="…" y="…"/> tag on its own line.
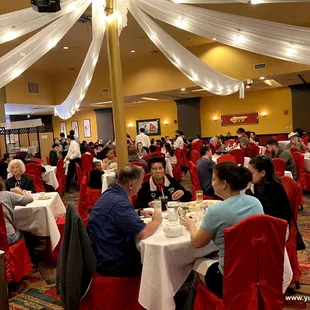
<point x="79" y="117"/>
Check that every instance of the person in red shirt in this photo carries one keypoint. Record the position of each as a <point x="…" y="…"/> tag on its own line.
<point x="241" y="134"/>
<point x="246" y="146"/>
<point x="213" y="145"/>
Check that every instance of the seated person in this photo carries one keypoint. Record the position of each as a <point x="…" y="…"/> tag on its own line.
<point x="277" y="152"/>
<point x="141" y="151"/>
<point x="152" y="148"/>
<point x="54" y="154"/>
<point x="246" y="146"/>
<point x="213" y="145"/>
<point x="7" y="157"/>
<point x="241" y="133"/>
<point x="253" y="138"/>
<point x="228" y="136"/>
<point x="133" y="157"/>
<point x="114" y="243"/>
<point x="269" y="190"/>
<point x="109" y="160"/>
<point x="99" y="151"/>
<point x="170" y="153"/>
<point x="160" y="185"/>
<point x="228" y="180"/>
<point x="9" y="201"/>
<point x="295" y="142"/>
<point x="95" y="180"/>
<point x="18" y="179"/>
<point x="29" y="160"/>
<point x="205" y="166"/>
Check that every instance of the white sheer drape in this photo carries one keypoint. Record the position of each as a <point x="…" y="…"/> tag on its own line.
<point x="78" y="92"/>
<point x="197" y="71"/>
<point x="276" y="40"/>
<point x="26" y="21"/>
<point x="26" y="54"/>
<point x="237" y="1"/>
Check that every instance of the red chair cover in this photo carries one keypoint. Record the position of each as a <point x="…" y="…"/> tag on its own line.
<point x="177" y="170"/>
<point x="257" y="244"/>
<point x="229" y="142"/>
<point x="300" y="161"/>
<point x="79" y="174"/>
<point x="294" y="150"/>
<point x="86" y="164"/>
<point x="91" y="151"/>
<point x="239" y="156"/>
<point x="280" y="166"/>
<point x="107" y="293"/>
<point x="139" y="164"/>
<point x="184" y="155"/>
<point x="17" y="259"/>
<point x="92" y="196"/>
<point x="196" y="146"/>
<point x="306" y="139"/>
<point x="34" y="172"/>
<point x="38" y="160"/>
<point x="226" y="157"/>
<point x="255" y="150"/>
<point x="82" y="203"/>
<point x="307" y="179"/>
<point x="48" y="162"/>
<point x="158" y="149"/>
<point x="61" y="177"/>
<point x="294" y="194"/>
<point x="194" y="156"/>
<point x="150" y="155"/>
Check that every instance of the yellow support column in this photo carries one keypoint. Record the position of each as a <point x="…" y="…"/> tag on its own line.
<point x="116" y="82"/>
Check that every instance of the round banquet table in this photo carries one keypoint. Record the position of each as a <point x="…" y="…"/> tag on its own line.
<point x="167" y="262"/>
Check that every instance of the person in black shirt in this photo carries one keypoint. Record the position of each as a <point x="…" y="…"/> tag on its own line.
<point x="17" y="169"/>
<point x="268" y="189"/>
<point x="160" y="185"/>
<point x="29" y="160"/>
<point x="64" y="145"/>
<point x="7" y="157"/>
<point x="54" y="154"/>
<point x="95" y="180"/>
<point x="253" y="138"/>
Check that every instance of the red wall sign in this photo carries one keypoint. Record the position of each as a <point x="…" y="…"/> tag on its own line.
<point x="236" y="119"/>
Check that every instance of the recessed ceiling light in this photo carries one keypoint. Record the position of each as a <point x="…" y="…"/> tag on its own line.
<point x="248" y="86"/>
<point x="214" y="39"/>
<point x="65" y="47"/>
<point x="133" y="51"/>
<point x="262" y="78"/>
<point x="183" y="89"/>
<point x="28" y="116"/>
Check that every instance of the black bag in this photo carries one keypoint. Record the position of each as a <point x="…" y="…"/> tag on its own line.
<point x="299" y="241"/>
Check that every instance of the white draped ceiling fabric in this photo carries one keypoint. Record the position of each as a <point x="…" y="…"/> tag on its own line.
<point x="78" y="92"/>
<point x="272" y="39"/>
<point x="191" y="66"/>
<point x="276" y="40"/>
<point x="16" y="24"/>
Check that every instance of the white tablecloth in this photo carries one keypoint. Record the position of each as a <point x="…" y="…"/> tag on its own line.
<point x="167" y="262"/>
<point x="307" y="164"/>
<point x="49" y="177"/>
<point x="39" y="217"/>
<point x="169" y="167"/>
<point x="108" y="178"/>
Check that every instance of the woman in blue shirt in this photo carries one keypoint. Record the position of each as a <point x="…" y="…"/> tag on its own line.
<point x="228" y="180"/>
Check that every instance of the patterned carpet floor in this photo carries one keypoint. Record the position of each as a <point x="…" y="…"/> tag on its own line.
<point x="37" y="292"/>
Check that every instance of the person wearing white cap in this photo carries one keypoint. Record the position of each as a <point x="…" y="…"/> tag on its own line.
<point x="295" y="142"/>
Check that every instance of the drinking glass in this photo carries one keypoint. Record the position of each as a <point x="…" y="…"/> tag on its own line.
<point x="199" y="196"/>
<point x="199" y="214"/>
<point x="164" y="201"/>
<point x="157" y="205"/>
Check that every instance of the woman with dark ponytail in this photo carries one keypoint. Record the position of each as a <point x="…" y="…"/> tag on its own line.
<point x="228" y="180"/>
<point x="268" y="189"/>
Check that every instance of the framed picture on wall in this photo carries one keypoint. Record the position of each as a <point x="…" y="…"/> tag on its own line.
<point x="87" y="130"/>
<point x="63" y="128"/>
<point x="75" y="127"/>
<point x="151" y="126"/>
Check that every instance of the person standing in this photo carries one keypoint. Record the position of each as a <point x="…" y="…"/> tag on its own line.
<point x="179" y="142"/>
<point x="7" y="157"/>
<point x="143" y="138"/>
<point x="73" y="156"/>
<point x="76" y="138"/>
<point x="63" y="145"/>
<point x="54" y="154"/>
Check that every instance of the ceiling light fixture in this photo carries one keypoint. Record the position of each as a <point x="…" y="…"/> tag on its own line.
<point x="256" y="1"/>
<point x="149" y="98"/>
<point x="262" y="78"/>
<point x="197" y="90"/>
<point x="183" y="89"/>
<point x="268" y="82"/>
<point x="214" y="39"/>
<point x="239" y="38"/>
<point x="65" y="47"/>
<point x="248" y="86"/>
<point x="291" y="51"/>
<point x="133" y="51"/>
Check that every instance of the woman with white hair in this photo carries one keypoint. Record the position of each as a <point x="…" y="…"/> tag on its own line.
<point x="9" y="200"/>
<point x="18" y="180"/>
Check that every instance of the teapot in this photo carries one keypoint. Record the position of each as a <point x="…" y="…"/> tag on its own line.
<point x="173" y="229"/>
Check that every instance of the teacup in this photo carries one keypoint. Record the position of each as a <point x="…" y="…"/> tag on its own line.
<point x="41" y="195"/>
